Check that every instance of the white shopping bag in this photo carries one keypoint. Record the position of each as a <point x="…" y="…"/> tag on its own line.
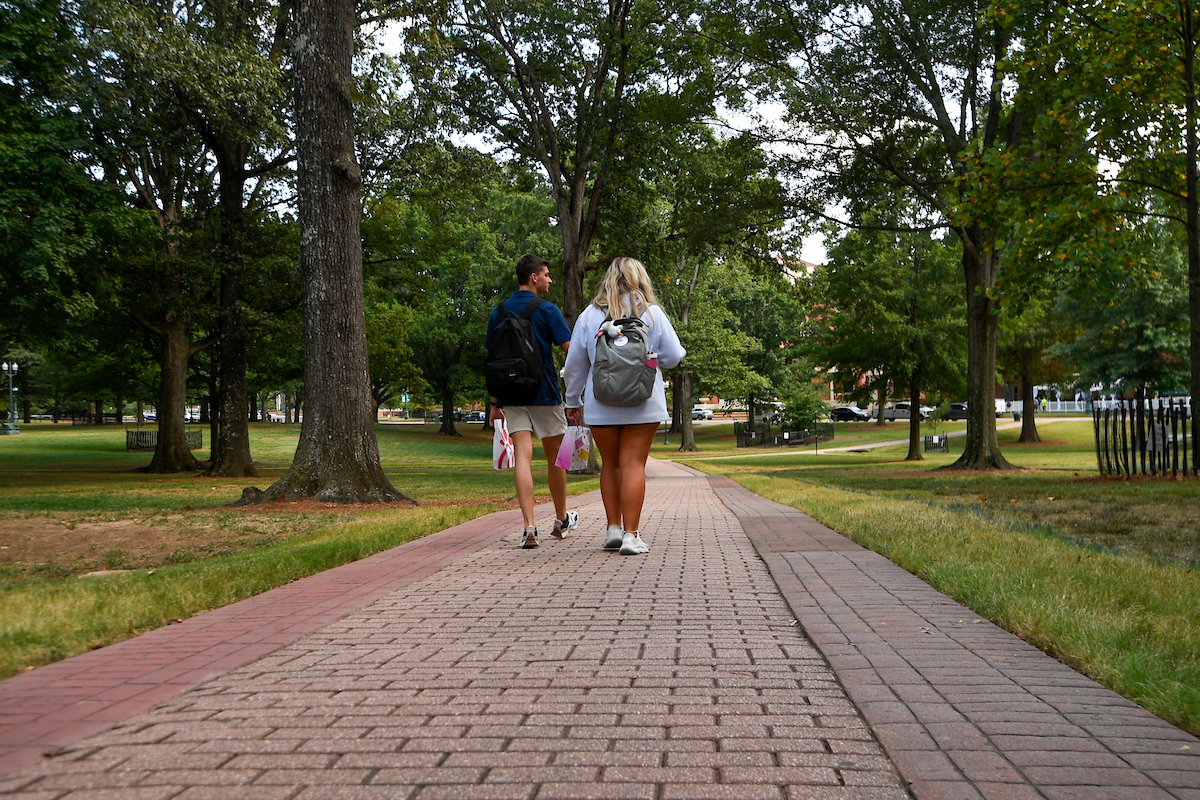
<point x="566" y="448"/>
<point x="580" y="449"/>
<point x="502" y="446"/>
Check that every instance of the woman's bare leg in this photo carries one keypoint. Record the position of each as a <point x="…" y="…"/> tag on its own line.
<point x="608" y="441"/>
<point x="634" y="450"/>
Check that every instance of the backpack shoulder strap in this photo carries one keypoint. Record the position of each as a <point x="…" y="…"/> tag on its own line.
<point x="529" y="309"/>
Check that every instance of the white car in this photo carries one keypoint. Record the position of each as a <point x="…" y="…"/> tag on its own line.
<point x="700" y="412"/>
<point x="901" y="411"/>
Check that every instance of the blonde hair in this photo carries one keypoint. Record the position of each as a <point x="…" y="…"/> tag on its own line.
<point x="625" y="290"/>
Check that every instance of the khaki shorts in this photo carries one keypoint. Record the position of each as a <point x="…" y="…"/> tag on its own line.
<point x="544" y="421"/>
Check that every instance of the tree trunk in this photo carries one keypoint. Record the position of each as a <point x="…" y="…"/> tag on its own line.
<point x="577" y="243"/>
<point x="448" y="428"/>
<point x="140" y="414"/>
<point x="1029" y="431"/>
<point x="118" y="407"/>
<point x="98" y="405"/>
<point x="982" y="449"/>
<point x="26" y="402"/>
<point x="914" y="417"/>
<point x="881" y="401"/>
<point x="214" y="409"/>
<point x="683" y="400"/>
<point x="172" y="453"/>
<point x="231" y="451"/>
<point x="1192" y="193"/>
<point x="337" y="459"/>
<point x="672" y="423"/>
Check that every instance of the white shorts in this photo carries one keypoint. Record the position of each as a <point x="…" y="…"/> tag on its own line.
<point x="544" y="421"/>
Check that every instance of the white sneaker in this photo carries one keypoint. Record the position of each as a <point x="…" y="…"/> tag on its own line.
<point x="529" y="539"/>
<point x="632" y="544"/>
<point x="561" y="526"/>
<point x="614" y="537"/>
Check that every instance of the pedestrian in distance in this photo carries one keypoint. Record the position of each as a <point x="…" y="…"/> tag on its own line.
<point x="614" y="384"/>
<point x="524" y="388"/>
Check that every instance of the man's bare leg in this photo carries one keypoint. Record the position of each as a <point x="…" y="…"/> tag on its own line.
<point x="523" y="473"/>
<point x="555" y="476"/>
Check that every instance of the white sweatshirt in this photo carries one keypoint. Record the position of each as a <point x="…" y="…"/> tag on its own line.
<point x="661" y="338"/>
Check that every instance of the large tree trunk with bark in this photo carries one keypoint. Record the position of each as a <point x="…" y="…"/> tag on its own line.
<point x="577" y="237"/>
<point x="1192" y="189"/>
<point x="982" y="449"/>
<point x="172" y="453"/>
<point x="231" y="451"/>
<point x="1029" y="431"/>
<point x="26" y="401"/>
<point x="683" y="407"/>
<point x="337" y="459"/>
<point x="914" y="417"/>
<point x="214" y="407"/>
<point x="448" y="428"/>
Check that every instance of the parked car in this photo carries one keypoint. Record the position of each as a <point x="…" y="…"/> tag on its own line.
<point x="848" y="414"/>
<point x="957" y="411"/>
<point x="1001" y="407"/>
<point x="700" y="412"/>
<point x="901" y="411"/>
<point x="768" y="412"/>
<point x="475" y="416"/>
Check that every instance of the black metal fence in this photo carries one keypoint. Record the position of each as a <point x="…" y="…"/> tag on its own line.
<point x="765" y="436"/>
<point x="147" y="439"/>
<point x="1150" y="437"/>
<point x="89" y="418"/>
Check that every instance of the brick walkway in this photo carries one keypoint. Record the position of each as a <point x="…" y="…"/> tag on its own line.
<point x="474" y="669"/>
<point x="966" y="711"/>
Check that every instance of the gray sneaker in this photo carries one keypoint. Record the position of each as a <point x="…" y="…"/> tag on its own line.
<point x="529" y="539"/>
<point x="561" y="526"/>
<point x="613" y="537"/>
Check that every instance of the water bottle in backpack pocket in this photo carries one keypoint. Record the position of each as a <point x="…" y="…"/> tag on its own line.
<point x="624" y="368"/>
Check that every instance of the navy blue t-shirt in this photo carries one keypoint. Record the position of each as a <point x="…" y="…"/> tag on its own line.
<point x="552" y="331"/>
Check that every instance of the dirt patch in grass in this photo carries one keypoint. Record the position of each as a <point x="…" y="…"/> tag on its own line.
<point x="353" y="509"/>
<point x="75" y="545"/>
<point x="33" y="547"/>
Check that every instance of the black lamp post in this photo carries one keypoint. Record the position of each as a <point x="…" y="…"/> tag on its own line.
<point x="10" y="369"/>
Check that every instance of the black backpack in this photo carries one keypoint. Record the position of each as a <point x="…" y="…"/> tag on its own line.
<point x="513" y="370"/>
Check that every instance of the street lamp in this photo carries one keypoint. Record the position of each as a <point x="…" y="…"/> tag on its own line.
<point x="10" y="427"/>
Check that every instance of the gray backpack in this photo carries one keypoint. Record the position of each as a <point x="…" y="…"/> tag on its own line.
<point x="624" y="369"/>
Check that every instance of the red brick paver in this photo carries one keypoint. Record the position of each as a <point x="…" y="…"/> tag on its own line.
<point x="964" y="709"/>
<point x="561" y="672"/>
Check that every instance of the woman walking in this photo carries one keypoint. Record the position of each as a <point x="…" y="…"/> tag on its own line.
<point x="623" y="432"/>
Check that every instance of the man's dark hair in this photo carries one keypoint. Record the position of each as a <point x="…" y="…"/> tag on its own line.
<point x="527" y="266"/>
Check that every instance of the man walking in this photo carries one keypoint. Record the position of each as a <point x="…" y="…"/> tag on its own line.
<point x="542" y="416"/>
